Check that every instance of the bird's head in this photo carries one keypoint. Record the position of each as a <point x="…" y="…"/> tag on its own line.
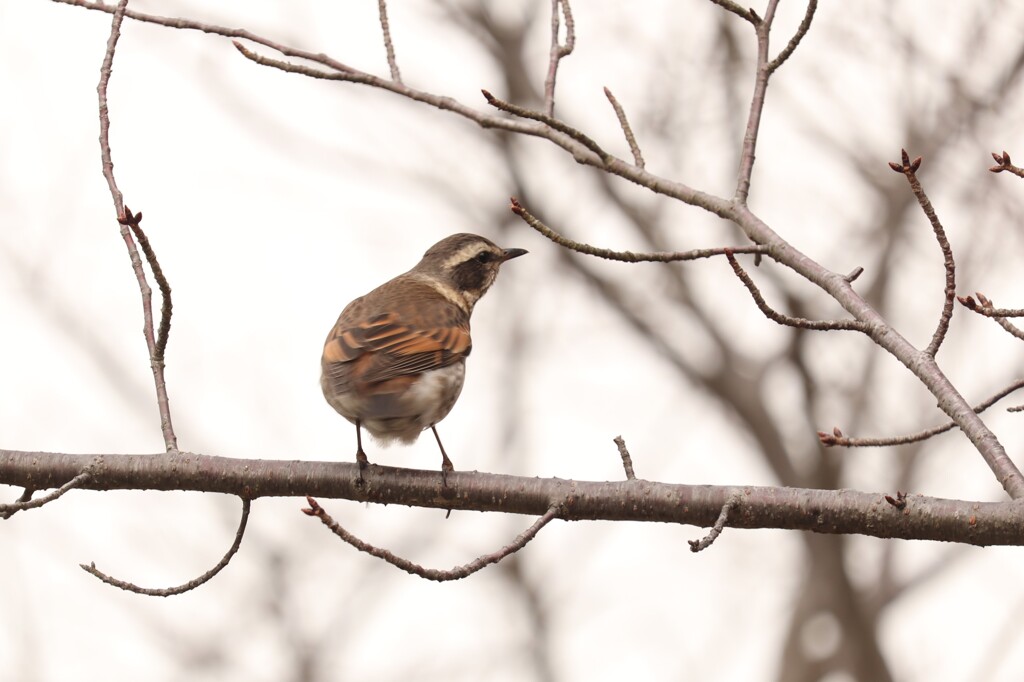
<point x="467" y="264"/>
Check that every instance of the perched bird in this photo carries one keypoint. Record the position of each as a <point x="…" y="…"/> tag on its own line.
<point x="395" y="361"/>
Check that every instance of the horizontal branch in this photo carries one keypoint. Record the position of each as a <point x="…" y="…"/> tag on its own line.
<point x="820" y="511"/>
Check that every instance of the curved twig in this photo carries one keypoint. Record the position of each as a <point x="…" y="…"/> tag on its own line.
<point x="550" y="121"/>
<point x="746" y="14"/>
<point x="984" y="306"/>
<point x="191" y="584"/>
<point x="836" y="438"/>
<point x="134" y="222"/>
<point x="456" y="573"/>
<point x="626" y="256"/>
<point x="909" y="169"/>
<point x="787" y="320"/>
<point x="25" y="501"/>
<point x="155" y="350"/>
<point x="716" y="530"/>
<point x="801" y="31"/>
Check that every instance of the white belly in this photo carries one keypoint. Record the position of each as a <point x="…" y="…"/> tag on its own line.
<point x="405" y="416"/>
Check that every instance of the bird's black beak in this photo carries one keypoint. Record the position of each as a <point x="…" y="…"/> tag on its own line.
<point x="509" y="254"/>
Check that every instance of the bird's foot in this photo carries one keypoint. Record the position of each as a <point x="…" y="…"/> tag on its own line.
<point x="363" y="462"/>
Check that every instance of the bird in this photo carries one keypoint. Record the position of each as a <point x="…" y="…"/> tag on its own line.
<point x="395" y="361"/>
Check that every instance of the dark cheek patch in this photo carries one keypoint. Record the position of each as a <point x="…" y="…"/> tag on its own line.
<point x="470" y="276"/>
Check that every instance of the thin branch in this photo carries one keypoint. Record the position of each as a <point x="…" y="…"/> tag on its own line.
<point x="745" y="14"/>
<point x="984" y="307"/>
<point x="801" y="31"/>
<point x="134" y="221"/>
<point x="191" y="584"/>
<point x="1005" y="165"/>
<point x="620" y="114"/>
<point x="909" y="169"/>
<point x="25" y="501"/>
<point x="549" y="121"/>
<point x="786" y="320"/>
<point x="101" y="91"/>
<point x="25" y="496"/>
<point x="625" y="256"/>
<point x="762" y="73"/>
<point x="382" y="8"/>
<point x="716" y="529"/>
<point x="627" y="461"/>
<point x="558" y="50"/>
<point x="155" y="350"/>
<point x="838" y="439"/>
<point x="213" y="29"/>
<point x="456" y="573"/>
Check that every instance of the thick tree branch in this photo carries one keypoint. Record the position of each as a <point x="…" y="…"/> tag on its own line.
<point x="820" y="511"/>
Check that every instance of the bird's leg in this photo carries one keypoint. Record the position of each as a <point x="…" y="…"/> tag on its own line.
<point x="361" y="459"/>
<point x="446" y="464"/>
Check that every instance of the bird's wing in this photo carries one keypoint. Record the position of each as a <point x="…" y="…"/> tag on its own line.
<point x="420" y="331"/>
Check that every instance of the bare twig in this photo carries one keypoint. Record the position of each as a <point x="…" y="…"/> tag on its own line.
<point x="763" y="72"/>
<point x="625" y="256"/>
<point x="155" y="350"/>
<point x="716" y="530"/>
<point x="25" y="501"/>
<point x="627" y="461"/>
<point x="775" y="316"/>
<point x="549" y="121"/>
<point x="620" y="114"/>
<point x="747" y="14"/>
<point x="227" y="32"/>
<point x="984" y="307"/>
<point x="101" y="91"/>
<point x="191" y="584"/>
<point x="558" y="50"/>
<point x="134" y="221"/>
<point x="25" y="496"/>
<point x="1005" y="165"/>
<point x="801" y="31"/>
<point x="382" y="8"/>
<point x="909" y="169"/>
<point x="838" y="439"/>
<point x="456" y="573"/>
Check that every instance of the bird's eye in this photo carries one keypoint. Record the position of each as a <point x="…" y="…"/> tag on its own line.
<point x="484" y="257"/>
